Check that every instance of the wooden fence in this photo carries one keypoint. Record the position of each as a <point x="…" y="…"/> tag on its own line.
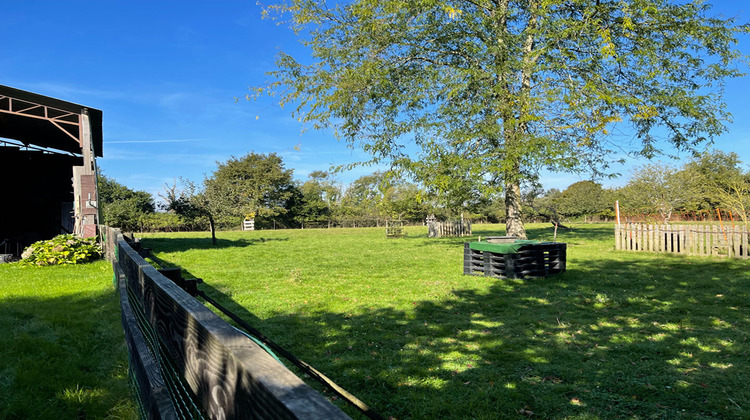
<point x="186" y="362"/>
<point x="704" y="240"/>
<point x="440" y="229"/>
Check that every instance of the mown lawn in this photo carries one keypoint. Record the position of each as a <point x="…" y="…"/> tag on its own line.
<point x="62" y="351"/>
<point x="394" y="321"/>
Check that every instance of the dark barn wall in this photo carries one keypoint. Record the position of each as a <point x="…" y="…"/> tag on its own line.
<point x="37" y="195"/>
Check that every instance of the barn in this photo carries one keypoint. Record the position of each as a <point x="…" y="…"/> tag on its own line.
<point x="48" y="151"/>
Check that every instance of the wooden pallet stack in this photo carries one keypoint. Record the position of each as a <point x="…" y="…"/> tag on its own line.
<point x="527" y="259"/>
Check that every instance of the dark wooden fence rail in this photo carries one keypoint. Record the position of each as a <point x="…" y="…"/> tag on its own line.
<point x="187" y="362"/>
<point x="704" y="240"/>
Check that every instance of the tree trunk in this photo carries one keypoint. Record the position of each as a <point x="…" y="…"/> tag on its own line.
<point x="513" y="222"/>
<point x="513" y="137"/>
<point x="212" y="226"/>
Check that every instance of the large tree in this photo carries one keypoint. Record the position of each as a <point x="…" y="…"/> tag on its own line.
<point x="499" y="89"/>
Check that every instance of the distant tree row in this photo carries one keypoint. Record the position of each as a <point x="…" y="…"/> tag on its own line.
<point x="259" y="186"/>
<point x="710" y="181"/>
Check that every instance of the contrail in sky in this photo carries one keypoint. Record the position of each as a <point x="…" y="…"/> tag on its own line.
<point x="154" y="141"/>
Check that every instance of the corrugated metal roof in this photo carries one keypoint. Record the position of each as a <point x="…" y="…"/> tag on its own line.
<point x="47" y="122"/>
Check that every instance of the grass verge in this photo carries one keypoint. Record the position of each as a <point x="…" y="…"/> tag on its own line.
<point x="63" y="354"/>
<point x="394" y="321"/>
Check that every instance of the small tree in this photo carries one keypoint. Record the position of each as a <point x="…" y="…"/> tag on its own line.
<point x="582" y="199"/>
<point x="254" y="184"/>
<point x="659" y="188"/>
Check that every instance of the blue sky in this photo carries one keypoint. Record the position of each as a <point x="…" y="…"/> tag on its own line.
<point x="166" y="75"/>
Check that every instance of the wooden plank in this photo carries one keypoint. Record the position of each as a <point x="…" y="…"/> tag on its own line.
<point x="650" y="238"/>
<point x="669" y="239"/>
<point x="694" y="239"/>
<point x="665" y="238"/>
<point x="689" y="249"/>
<point x="617" y="237"/>
<point x="675" y="236"/>
<point x="661" y="231"/>
<point x="626" y="237"/>
<point x="683" y="239"/>
<point x="744" y="241"/>
<point x="639" y="236"/>
<point x="714" y="240"/>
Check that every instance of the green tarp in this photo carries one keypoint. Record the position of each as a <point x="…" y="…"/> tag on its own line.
<point x="507" y="248"/>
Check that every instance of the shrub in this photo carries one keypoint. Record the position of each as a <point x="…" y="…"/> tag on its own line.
<point x="62" y="249"/>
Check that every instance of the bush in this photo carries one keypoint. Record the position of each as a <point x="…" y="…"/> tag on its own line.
<point x="62" y="249"/>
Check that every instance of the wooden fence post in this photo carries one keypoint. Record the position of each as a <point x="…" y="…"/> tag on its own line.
<point x="617" y="237"/>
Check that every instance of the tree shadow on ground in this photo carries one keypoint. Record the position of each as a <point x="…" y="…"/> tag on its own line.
<point x="177" y="244"/>
<point x="665" y="338"/>
<point x="63" y="357"/>
<point x="572" y="236"/>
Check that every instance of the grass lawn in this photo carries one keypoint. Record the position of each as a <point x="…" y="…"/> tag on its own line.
<point x="62" y="350"/>
<point x="394" y="321"/>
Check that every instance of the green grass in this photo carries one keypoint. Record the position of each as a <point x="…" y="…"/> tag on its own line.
<point x="394" y="321"/>
<point x="62" y="350"/>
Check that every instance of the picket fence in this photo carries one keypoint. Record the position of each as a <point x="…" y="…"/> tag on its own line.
<point x="437" y="229"/>
<point x="703" y="240"/>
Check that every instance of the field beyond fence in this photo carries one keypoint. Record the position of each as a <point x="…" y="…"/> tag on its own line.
<point x="693" y="239"/>
<point x="396" y="323"/>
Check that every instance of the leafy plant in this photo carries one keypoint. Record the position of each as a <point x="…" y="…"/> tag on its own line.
<point x="62" y="249"/>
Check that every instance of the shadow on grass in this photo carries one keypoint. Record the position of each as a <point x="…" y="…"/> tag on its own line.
<point x="63" y="357"/>
<point x="573" y="235"/>
<point x="662" y="337"/>
<point x="177" y="244"/>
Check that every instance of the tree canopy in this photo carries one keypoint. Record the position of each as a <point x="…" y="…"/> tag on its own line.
<point x="255" y="185"/>
<point x="719" y="179"/>
<point x="122" y="207"/>
<point x="583" y="198"/>
<point x="658" y="187"/>
<point x="497" y="90"/>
